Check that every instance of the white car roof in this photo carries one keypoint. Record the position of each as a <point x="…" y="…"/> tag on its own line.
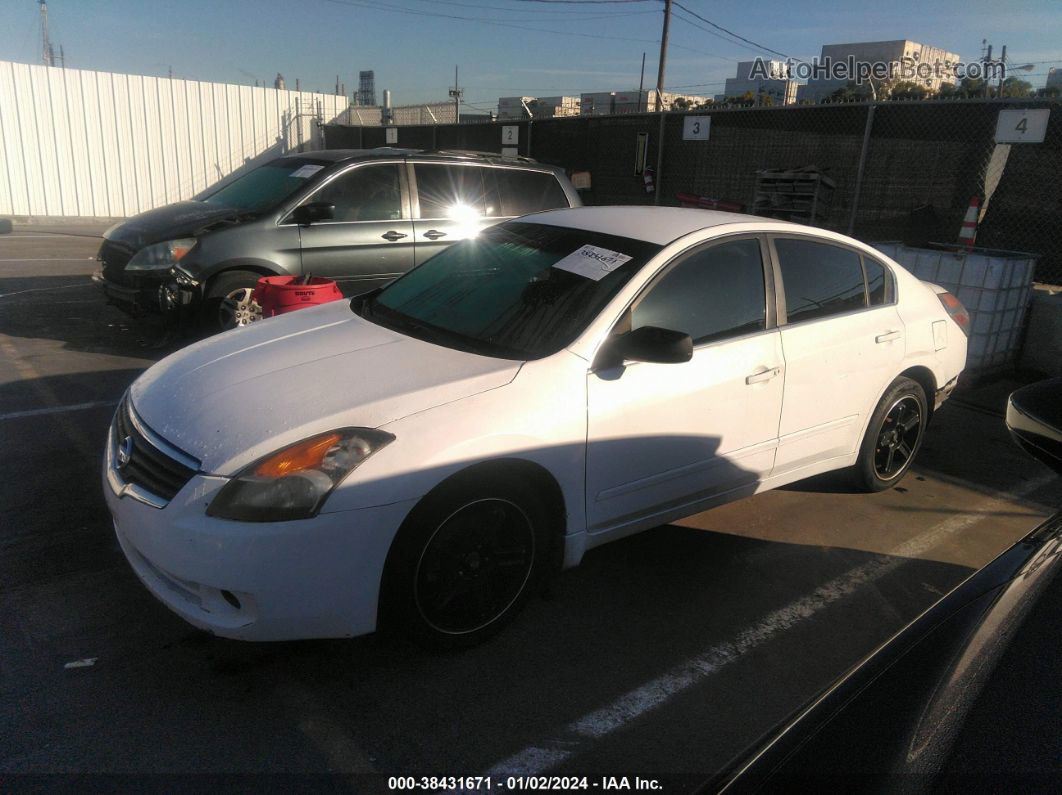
<point x="659" y="225"/>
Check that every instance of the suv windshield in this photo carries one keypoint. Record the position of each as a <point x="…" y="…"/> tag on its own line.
<point x="267" y="185"/>
<point x="518" y="290"/>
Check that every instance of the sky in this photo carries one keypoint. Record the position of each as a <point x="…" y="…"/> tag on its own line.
<point x="503" y="47"/>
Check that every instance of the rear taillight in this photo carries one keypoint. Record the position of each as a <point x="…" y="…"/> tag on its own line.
<point x="956" y="311"/>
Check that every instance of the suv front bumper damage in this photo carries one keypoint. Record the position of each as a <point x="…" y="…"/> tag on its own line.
<point x="172" y="294"/>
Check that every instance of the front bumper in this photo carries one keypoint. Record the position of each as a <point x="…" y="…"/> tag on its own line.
<point x="163" y="293"/>
<point x="313" y="578"/>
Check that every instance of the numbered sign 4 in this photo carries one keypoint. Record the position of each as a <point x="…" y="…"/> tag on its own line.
<point x="1022" y="126"/>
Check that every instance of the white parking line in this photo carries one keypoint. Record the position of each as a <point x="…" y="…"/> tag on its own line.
<point x="14" y="415"/>
<point x="46" y="289"/>
<point x="47" y="259"/>
<point x="578" y="735"/>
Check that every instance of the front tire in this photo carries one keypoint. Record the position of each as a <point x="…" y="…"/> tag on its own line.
<point x="894" y="436"/>
<point x="228" y="302"/>
<point x="464" y="563"/>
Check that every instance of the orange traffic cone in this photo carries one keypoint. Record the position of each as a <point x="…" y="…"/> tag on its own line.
<point x="968" y="232"/>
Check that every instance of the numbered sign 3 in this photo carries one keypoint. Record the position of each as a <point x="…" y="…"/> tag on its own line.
<point x="695" y="128"/>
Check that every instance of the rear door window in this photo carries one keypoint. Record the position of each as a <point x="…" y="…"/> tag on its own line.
<point x="880" y="287"/>
<point x="524" y="192"/>
<point x="819" y="279"/>
<point x="455" y="192"/>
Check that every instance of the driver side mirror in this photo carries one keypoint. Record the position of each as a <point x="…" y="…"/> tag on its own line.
<point x="313" y="212"/>
<point x="646" y="344"/>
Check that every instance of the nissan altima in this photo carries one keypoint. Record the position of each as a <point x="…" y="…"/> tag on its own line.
<point x="421" y="457"/>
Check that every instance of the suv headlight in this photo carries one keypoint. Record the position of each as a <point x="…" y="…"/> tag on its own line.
<point x="161" y="256"/>
<point x="294" y="482"/>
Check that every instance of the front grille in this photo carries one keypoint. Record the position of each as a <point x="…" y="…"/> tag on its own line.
<point x="148" y="466"/>
<point x="114" y="257"/>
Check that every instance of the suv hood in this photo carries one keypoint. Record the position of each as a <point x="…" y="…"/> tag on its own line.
<point x="234" y="398"/>
<point x="182" y="219"/>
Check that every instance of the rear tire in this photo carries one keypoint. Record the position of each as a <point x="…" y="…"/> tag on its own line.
<point x="228" y="303"/>
<point x="464" y="563"/>
<point x="894" y="436"/>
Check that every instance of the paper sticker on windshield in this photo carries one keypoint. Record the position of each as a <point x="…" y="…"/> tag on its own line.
<point x="305" y="171"/>
<point x="592" y="262"/>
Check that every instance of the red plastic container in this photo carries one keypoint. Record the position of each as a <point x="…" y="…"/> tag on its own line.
<point x="279" y="294"/>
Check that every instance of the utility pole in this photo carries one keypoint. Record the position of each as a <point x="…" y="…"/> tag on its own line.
<point x="663" y="57"/>
<point x="456" y="92"/>
<point x="641" y="84"/>
<point x="46" y="43"/>
<point x="660" y="99"/>
<point x="1002" y="71"/>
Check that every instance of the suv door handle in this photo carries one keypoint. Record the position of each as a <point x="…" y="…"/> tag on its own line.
<point x="888" y="336"/>
<point x="392" y="235"/>
<point x="434" y="234"/>
<point x="766" y="374"/>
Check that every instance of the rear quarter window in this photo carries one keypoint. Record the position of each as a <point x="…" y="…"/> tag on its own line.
<point x="524" y="192"/>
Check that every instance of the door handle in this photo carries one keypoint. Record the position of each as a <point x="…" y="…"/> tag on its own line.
<point x="434" y="234"/>
<point x="888" y="336"/>
<point x="765" y="374"/>
<point x="392" y="235"/>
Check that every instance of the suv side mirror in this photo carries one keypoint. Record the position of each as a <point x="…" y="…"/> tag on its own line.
<point x="313" y="212"/>
<point x="646" y="344"/>
<point x="1034" y="419"/>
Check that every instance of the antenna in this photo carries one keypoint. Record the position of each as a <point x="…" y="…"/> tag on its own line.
<point x="47" y="55"/>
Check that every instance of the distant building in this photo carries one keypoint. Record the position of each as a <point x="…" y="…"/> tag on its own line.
<point x="781" y="89"/>
<point x="513" y="107"/>
<point x="1054" y="77"/>
<point x="604" y="103"/>
<point x="367" y="88"/>
<point x="895" y="53"/>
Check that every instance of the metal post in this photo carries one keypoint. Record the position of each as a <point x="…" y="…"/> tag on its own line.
<point x="862" y="166"/>
<point x="530" y="123"/>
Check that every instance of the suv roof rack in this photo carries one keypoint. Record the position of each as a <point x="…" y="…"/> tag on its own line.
<point x="477" y="153"/>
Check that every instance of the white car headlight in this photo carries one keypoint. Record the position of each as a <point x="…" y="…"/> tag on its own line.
<point x="294" y="482"/>
<point x="161" y="256"/>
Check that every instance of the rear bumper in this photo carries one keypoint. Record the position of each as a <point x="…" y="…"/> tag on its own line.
<point x="944" y="393"/>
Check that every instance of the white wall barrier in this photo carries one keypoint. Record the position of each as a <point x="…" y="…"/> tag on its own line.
<point x="80" y="143"/>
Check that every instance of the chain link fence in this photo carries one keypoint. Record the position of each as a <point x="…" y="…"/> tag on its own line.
<point x="888" y="171"/>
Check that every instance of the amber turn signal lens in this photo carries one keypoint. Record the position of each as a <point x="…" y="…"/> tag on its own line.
<point x="307" y="454"/>
<point x="180" y="251"/>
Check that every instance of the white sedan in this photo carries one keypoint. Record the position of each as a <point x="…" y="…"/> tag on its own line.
<point x="422" y="457"/>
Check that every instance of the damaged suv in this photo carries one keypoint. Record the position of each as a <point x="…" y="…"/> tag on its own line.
<point x="361" y="217"/>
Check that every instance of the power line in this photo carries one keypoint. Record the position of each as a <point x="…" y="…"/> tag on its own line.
<point x="568" y="13"/>
<point x="731" y="33"/>
<point x="385" y="7"/>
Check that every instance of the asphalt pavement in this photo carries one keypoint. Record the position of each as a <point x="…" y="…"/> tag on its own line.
<point x="662" y="656"/>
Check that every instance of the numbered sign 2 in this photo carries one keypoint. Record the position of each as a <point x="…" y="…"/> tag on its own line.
<point x="1022" y="126"/>
<point x="695" y="128"/>
<point x="510" y="135"/>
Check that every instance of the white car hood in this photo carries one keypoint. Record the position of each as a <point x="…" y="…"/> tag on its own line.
<point x="233" y="398"/>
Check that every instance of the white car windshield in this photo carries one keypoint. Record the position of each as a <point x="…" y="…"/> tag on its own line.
<point x="519" y="290"/>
